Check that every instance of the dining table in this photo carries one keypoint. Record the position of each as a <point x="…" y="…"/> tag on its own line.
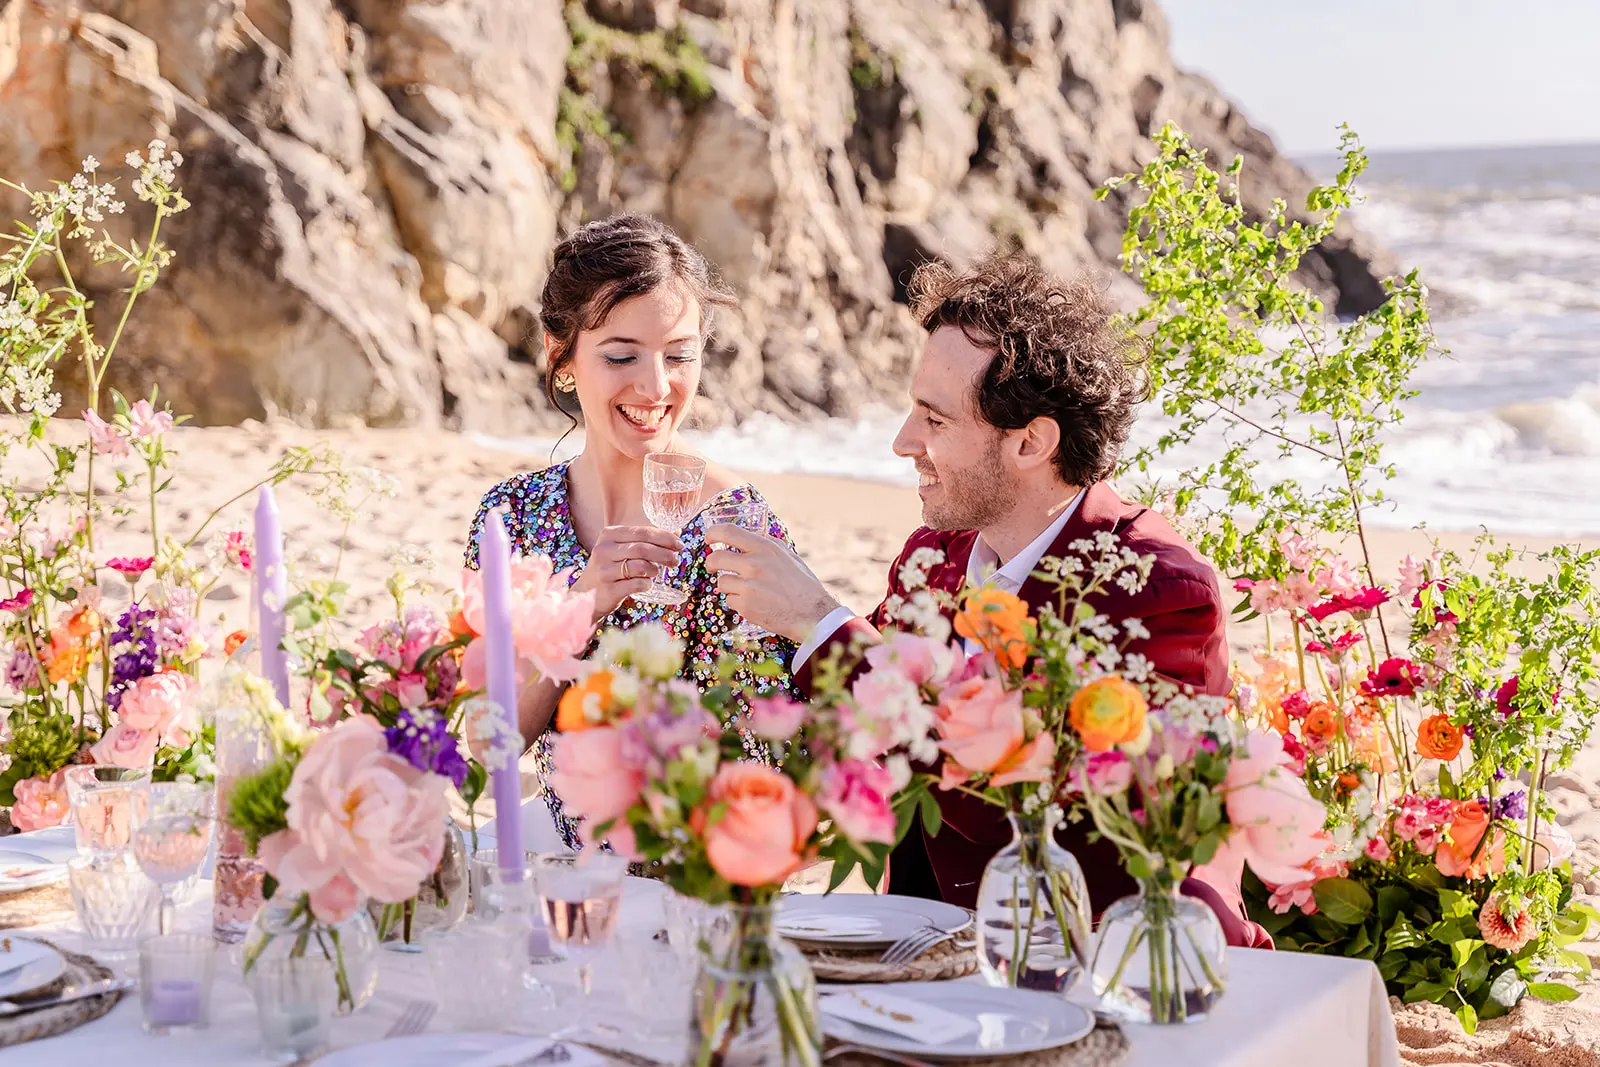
<point x="1280" y="1008"/>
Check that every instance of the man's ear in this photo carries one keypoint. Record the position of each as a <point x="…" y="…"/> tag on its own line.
<point x="1038" y="443"/>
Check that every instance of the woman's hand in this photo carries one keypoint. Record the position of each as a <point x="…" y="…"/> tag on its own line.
<point x="625" y="562"/>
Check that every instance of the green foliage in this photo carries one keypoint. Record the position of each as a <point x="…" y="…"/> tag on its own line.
<point x="1235" y="341"/>
<point x="256" y="807"/>
<point x="41" y="743"/>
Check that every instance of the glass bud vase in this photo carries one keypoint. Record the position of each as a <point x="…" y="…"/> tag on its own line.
<point x="1033" y="910"/>
<point x="286" y="928"/>
<point x="1159" y="957"/>
<point x="440" y="903"/>
<point x="754" y="1000"/>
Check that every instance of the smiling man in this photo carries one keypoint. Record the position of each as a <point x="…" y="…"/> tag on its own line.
<point x="1021" y="404"/>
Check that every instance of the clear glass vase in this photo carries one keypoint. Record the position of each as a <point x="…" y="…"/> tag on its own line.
<point x="1033" y="910"/>
<point x="286" y="928"/>
<point x="439" y="905"/>
<point x="1159" y="957"/>
<point x="754" y="1000"/>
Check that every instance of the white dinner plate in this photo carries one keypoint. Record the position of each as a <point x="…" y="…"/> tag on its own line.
<point x="43" y="965"/>
<point x="863" y="918"/>
<point x="444" y="1050"/>
<point x="1010" y="1022"/>
<point x="28" y="870"/>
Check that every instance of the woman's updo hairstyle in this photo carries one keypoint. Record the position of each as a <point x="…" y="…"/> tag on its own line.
<point x="611" y="260"/>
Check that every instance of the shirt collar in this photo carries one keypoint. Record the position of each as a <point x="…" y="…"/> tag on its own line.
<point x="981" y="564"/>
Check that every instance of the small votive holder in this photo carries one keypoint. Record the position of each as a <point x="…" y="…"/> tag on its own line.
<point x="478" y="972"/>
<point x="295" y="1000"/>
<point x="175" y="975"/>
<point x="114" y="902"/>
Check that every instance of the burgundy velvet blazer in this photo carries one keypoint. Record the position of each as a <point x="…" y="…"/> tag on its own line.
<point x="1180" y="605"/>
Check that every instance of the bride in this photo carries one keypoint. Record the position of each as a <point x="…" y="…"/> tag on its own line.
<point x="626" y="312"/>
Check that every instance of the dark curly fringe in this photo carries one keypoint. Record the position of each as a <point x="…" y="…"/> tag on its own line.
<point x="1056" y="354"/>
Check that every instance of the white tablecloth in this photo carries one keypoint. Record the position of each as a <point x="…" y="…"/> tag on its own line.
<point x="1281" y="1009"/>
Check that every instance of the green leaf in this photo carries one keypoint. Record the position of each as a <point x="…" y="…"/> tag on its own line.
<point x="1432" y="991"/>
<point x="1457" y="905"/>
<point x="1463" y="948"/>
<point x="1476" y="970"/>
<point x="1508" y="988"/>
<point x="1552" y="991"/>
<point x="1360" y="944"/>
<point x="1469" y="1019"/>
<point x="932" y="818"/>
<point x="1206" y="848"/>
<point x="1402" y="936"/>
<point x="1343" y="900"/>
<point x="1392" y="900"/>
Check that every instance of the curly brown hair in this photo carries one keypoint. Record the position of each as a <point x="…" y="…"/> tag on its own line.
<point x="1056" y="354"/>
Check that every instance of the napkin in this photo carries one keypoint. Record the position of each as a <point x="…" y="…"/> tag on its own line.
<point x="901" y="1016"/>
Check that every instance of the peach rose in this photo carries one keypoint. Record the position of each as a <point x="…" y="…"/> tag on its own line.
<point x="760" y="838"/>
<point x="980" y="724"/>
<point x="41" y="802"/>
<point x="357" y="812"/>
<point x="1458" y="855"/>
<point x="1033" y="762"/>
<point x="1107" y="712"/>
<point x="125" y="746"/>
<point x="995" y="619"/>
<point x="591" y="776"/>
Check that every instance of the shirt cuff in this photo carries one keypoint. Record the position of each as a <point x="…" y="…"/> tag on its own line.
<point x="824" y="630"/>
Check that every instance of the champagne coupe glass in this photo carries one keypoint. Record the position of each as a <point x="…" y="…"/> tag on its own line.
<point x="753" y="515"/>
<point x="580" y="895"/>
<point x="173" y="837"/>
<point x="672" y="484"/>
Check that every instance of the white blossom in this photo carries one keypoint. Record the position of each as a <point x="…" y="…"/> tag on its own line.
<point x="1135" y="629"/>
<point x="914" y="571"/>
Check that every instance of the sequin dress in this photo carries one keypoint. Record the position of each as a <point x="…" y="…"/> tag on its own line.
<point x="540" y="522"/>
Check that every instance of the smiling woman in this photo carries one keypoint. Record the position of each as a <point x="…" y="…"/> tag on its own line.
<point x="626" y="312"/>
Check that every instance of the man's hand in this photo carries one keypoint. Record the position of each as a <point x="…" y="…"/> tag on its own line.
<point x="767" y="583"/>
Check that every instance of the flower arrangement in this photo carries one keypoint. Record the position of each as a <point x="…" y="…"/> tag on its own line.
<point x="1445" y="866"/>
<point x="100" y="653"/>
<point x="647" y="763"/>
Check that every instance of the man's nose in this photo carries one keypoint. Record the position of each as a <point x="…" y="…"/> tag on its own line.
<point x="906" y="442"/>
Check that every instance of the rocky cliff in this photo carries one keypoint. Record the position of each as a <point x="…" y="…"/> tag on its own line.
<point x="376" y="184"/>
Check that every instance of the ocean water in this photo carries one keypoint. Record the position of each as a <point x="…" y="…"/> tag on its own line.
<point x="1506" y="430"/>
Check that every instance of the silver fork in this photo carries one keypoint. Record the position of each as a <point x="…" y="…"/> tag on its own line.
<point x="871" y="1053"/>
<point x="913" y="945"/>
<point x="413" y="1020"/>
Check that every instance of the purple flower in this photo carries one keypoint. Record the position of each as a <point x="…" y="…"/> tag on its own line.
<point x="135" y="632"/>
<point x="1513" y="805"/>
<point x="174" y="632"/>
<point x="422" y="739"/>
<point x="21" y="670"/>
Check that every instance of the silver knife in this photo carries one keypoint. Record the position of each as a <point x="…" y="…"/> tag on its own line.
<point x="93" y="989"/>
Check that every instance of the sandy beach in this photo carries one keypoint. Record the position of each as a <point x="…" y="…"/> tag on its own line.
<point x="849" y="531"/>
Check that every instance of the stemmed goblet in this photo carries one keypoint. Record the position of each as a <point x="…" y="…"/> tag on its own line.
<point x="580" y="896"/>
<point x="753" y="515"/>
<point x="672" y="484"/>
<point x="173" y="836"/>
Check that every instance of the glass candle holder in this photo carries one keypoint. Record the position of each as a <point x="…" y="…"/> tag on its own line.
<point x="114" y="902"/>
<point x="477" y="972"/>
<point x="295" y="999"/>
<point x="175" y="975"/>
<point x="107" y="802"/>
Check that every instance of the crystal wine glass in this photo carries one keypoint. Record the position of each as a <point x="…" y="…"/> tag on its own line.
<point x="753" y="515"/>
<point x="580" y="896"/>
<point x="173" y="837"/>
<point x="672" y="484"/>
<point x="106" y="802"/>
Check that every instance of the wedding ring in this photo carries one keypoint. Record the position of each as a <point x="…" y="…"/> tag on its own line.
<point x="627" y="569"/>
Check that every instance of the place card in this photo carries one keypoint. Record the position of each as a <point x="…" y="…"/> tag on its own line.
<point x="901" y="1016"/>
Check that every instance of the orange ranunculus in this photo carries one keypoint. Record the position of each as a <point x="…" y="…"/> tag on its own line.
<point x="761" y="836"/>
<point x="1460" y="854"/>
<point x="83" y="622"/>
<point x="1438" y="737"/>
<point x="572" y="713"/>
<point x="994" y="619"/>
<point x="1321" y="723"/>
<point x="1108" y="711"/>
<point x="66" y="657"/>
<point x="1348" y="781"/>
<point x="231" y="643"/>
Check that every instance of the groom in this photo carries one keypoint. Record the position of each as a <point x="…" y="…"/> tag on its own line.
<point x="1020" y="407"/>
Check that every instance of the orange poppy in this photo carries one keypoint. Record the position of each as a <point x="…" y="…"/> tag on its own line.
<point x="1438" y="737"/>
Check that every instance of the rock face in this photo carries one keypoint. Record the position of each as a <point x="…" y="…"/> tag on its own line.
<point x="376" y="184"/>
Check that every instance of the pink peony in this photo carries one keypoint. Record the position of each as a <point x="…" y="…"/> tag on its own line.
<point x="160" y="703"/>
<point x="18" y="604"/>
<point x="363" y="823"/>
<point x="856" y="794"/>
<point x="105" y="438"/>
<point x="550" y="625"/>
<point x="41" y="802"/>
<point x="980" y="724"/>
<point x="591" y="776"/>
<point x="1276" y="823"/>
<point x="926" y="663"/>
<point x="775" y="718"/>
<point x="1106" y="773"/>
<point x="126" y="746"/>
<point x="145" y="421"/>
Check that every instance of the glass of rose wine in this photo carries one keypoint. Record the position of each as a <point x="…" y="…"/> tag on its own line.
<point x="579" y="896"/>
<point x="672" y="484"/>
<point x="173" y="836"/>
<point x="747" y="514"/>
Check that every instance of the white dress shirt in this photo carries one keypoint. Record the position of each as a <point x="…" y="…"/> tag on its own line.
<point x="983" y="567"/>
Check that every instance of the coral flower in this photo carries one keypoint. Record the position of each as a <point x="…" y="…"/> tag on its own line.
<point x="129" y="567"/>
<point x="1393" y="678"/>
<point x="1108" y="711"/>
<point x="765" y="822"/>
<point x="84" y="621"/>
<point x="1321" y="723"/>
<point x="1460" y="855"/>
<point x="233" y="641"/>
<point x="1505" y="931"/>
<point x="585" y="703"/>
<point x="1438" y="738"/>
<point x="994" y="619"/>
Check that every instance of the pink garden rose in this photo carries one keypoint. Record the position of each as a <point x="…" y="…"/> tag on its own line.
<point x="591" y="774"/>
<point x="126" y="746"/>
<point x="761" y="836"/>
<point x="1276" y="822"/>
<point x="363" y="823"/>
<point x="980" y="724"/>
<point x="775" y="718"/>
<point x="856" y="794"/>
<point x="924" y="661"/>
<point x="41" y="802"/>
<point x="162" y="703"/>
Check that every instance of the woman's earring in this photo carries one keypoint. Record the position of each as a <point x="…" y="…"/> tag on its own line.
<point x="565" y="383"/>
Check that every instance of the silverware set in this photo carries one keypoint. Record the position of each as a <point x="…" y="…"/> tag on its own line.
<point x="914" y="944"/>
<point x="66" y="996"/>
